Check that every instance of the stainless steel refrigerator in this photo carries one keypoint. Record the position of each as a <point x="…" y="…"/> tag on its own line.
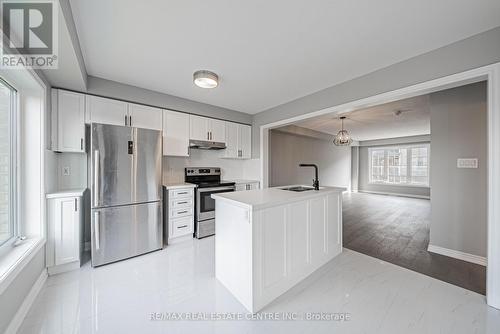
<point x="125" y="179"/>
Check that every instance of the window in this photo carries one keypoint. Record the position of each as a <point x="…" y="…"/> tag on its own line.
<point x="400" y="165"/>
<point x="7" y="162"/>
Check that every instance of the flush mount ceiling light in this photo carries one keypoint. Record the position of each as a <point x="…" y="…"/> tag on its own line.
<point x="205" y="79"/>
<point x="342" y="138"/>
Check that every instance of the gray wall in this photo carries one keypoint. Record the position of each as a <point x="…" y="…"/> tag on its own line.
<point x="288" y="150"/>
<point x="459" y="196"/>
<point x="476" y="51"/>
<point x="113" y="89"/>
<point x="363" y="181"/>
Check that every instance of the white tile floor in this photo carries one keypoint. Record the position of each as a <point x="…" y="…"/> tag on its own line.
<point x="379" y="298"/>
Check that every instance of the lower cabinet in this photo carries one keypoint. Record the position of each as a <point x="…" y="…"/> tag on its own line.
<point x="247" y="185"/>
<point x="180" y="212"/>
<point x="65" y="231"/>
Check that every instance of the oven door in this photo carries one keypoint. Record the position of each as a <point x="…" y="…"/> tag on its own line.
<point x="205" y="204"/>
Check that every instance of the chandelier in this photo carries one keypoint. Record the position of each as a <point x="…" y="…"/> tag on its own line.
<point x="342" y="138"/>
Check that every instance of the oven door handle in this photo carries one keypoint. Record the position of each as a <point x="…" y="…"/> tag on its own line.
<point x="204" y="190"/>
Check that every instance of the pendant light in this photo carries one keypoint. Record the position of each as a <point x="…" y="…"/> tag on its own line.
<point x="342" y="138"/>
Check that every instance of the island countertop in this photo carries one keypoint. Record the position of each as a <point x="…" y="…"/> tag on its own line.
<point x="263" y="198"/>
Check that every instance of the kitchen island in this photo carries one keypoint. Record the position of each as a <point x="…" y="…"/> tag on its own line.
<point x="269" y="240"/>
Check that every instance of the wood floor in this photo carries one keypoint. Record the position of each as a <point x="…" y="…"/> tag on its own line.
<point x="396" y="230"/>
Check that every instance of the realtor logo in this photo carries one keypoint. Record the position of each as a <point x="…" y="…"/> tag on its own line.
<point x="29" y="34"/>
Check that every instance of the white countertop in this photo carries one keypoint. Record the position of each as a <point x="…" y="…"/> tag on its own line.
<point x="179" y="185"/>
<point x="269" y="197"/>
<point x="66" y="193"/>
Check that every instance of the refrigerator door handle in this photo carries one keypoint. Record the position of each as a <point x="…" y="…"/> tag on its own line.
<point x="97" y="228"/>
<point x="96" y="178"/>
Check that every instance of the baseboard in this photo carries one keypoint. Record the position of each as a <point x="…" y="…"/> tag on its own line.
<point x="18" y="318"/>
<point x="63" y="268"/>
<point x="394" y="194"/>
<point x="458" y="255"/>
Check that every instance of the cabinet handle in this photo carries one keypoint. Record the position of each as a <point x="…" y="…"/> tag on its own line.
<point x="182" y="226"/>
<point x="97" y="227"/>
<point x="76" y="205"/>
<point x="81" y="144"/>
<point x="126" y="120"/>
<point x="211" y="136"/>
<point x="130" y="120"/>
<point x="181" y="212"/>
<point x="182" y="193"/>
<point x="208" y="135"/>
<point x="181" y="202"/>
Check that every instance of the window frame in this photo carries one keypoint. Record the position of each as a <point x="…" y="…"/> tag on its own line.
<point x="14" y="165"/>
<point x="408" y="164"/>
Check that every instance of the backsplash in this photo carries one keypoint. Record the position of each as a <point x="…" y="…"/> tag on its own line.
<point x="173" y="167"/>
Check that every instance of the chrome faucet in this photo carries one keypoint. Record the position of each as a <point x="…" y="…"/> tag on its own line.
<point x="315" y="181"/>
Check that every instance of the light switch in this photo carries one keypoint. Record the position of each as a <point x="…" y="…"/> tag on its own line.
<point x="66" y="171"/>
<point x="467" y="163"/>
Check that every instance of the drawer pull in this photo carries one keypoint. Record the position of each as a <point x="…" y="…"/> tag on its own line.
<point x="182" y="202"/>
<point x="183" y="193"/>
<point x="182" y="226"/>
<point x="181" y="212"/>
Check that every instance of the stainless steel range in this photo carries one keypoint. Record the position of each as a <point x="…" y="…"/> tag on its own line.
<point x="208" y="181"/>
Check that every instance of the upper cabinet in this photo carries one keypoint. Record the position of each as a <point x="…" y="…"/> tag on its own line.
<point x="68" y="121"/>
<point x="145" y="117"/>
<point x="107" y="111"/>
<point x="114" y="112"/>
<point x="175" y="133"/>
<point x="208" y="129"/>
<point x="238" y="141"/>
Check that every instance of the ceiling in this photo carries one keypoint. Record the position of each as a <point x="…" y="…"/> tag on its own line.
<point x="380" y="121"/>
<point x="265" y="52"/>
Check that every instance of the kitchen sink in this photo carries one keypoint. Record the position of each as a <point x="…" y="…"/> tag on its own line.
<point x="298" y="188"/>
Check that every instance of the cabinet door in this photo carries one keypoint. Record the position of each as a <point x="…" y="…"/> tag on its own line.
<point x="70" y="122"/>
<point x="245" y="141"/>
<point x="232" y="132"/>
<point x="241" y="186"/>
<point x="67" y="230"/>
<point x="175" y="133"/>
<point x="107" y="111"/>
<point x="198" y="128"/>
<point x="145" y="117"/>
<point x="217" y="131"/>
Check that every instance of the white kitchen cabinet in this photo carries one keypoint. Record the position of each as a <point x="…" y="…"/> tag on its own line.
<point x="65" y="231"/>
<point x="68" y="121"/>
<point x="175" y="133"/>
<point x="207" y="129"/>
<point x="217" y="130"/>
<point x="180" y="201"/>
<point x="242" y="185"/>
<point x="145" y="117"/>
<point x="107" y="111"/>
<point x="238" y="141"/>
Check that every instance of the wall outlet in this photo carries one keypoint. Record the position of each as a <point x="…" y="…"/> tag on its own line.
<point x="467" y="163"/>
<point x="66" y="171"/>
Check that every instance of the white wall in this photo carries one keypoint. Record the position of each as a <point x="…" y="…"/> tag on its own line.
<point x="459" y="196"/>
<point x="288" y="150"/>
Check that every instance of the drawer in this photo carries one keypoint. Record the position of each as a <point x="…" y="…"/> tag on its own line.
<point x="179" y="193"/>
<point x="180" y="227"/>
<point x="180" y="212"/>
<point x="181" y="203"/>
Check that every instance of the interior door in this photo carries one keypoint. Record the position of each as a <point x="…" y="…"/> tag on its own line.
<point x="111" y="163"/>
<point x="125" y="231"/>
<point x="146" y="166"/>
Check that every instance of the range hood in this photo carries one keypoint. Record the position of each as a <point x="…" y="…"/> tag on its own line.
<point x="206" y="145"/>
